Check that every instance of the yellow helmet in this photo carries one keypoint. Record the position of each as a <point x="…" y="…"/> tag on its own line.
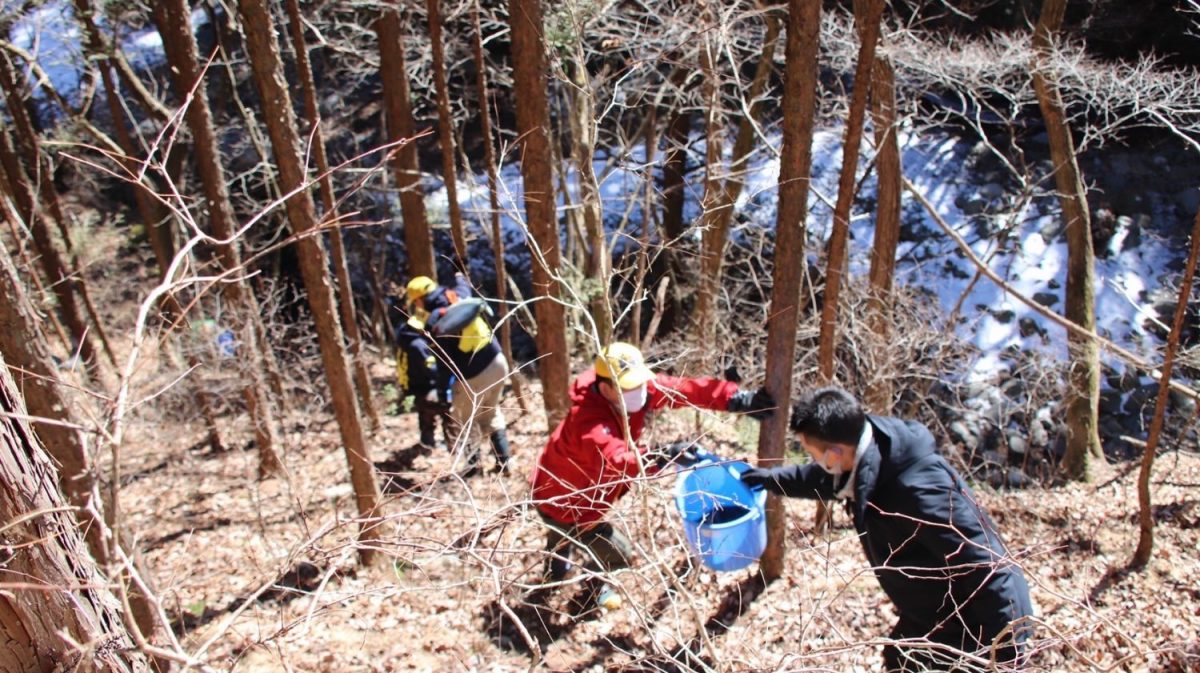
<point x="623" y="363"/>
<point x="419" y="287"/>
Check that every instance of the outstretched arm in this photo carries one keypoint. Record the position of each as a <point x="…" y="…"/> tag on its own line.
<point x="794" y="481"/>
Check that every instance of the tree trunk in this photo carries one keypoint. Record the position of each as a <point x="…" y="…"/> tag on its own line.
<point x="795" y="166"/>
<point x="712" y="236"/>
<point x="878" y="394"/>
<point x="489" y="158"/>
<point x="53" y="593"/>
<point x="718" y="217"/>
<point x="263" y="50"/>
<point x="41" y="173"/>
<point x="835" y="259"/>
<point x="674" y="191"/>
<point x="362" y="379"/>
<point x="152" y="212"/>
<point x="1084" y="455"/>
<point x="673" y="173"/>
<point x="418" y="237"/>
<point x="14" y="221"/>
<point x="155" y="217"/>
<point x="48" y="256"/>
<point x="1141" y="555"/>
<point x="533" y="121"/>
<point x="174" y="23"/>
<point x="446" y="134"/>
<point x="597" y="261"/>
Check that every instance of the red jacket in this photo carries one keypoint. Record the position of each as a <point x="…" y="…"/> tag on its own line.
<point x="586" y="465"/>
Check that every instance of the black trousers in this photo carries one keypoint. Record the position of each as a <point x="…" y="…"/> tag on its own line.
<point x="942" y="648"/>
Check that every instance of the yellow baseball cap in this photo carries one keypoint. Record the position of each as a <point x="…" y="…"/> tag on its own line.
<point x="623" y="363"/>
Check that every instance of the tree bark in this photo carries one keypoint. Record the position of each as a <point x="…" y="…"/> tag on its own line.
<point x="446" y="134"/>
<point x="263" y="50"/>
<point x="25" y="347"/>
<point x="888" y="170"/>
<point x="154" y="215"/>
<point x="1141" y="555"/>
<point x="533" y="121"/>
<point x="795" y="169"/>
<point x="53" y="590"/>
<point x="597" y="261"/>
<point x="312" y="116"/>
<point x="718" y="217"/>
<point x="835" y="259"/>
<point x="1084" y="456"/>
<point x="418" y="238"/>
<point x="712" y="237"/>
<point x="493" y="180"/>
<point x="173" y="19"/>
<point x="39" y="170"/>
<point x="49" y="258"/>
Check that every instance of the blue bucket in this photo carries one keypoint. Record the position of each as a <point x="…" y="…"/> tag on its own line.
<point x="725" y="521"/>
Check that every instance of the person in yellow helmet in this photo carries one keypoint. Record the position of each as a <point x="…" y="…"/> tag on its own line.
<point x="473" y="357"/>
<point x="418" y="373"/>
<point x="588" y="465"/>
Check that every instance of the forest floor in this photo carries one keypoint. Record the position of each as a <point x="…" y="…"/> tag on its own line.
<point x="262" y="575"/>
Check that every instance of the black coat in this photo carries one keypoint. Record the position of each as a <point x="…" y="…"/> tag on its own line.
<point x="417" y="366"/>
<point x="933" y="548"/>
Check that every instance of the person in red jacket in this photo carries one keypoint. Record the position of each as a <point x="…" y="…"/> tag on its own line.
<point x="588" y="465"/>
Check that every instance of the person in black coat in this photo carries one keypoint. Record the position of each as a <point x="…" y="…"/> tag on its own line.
<point x="934" y="550"/>
<point x="418" y="373"/>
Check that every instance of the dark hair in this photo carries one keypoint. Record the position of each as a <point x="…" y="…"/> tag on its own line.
<point x="829" y="414"/>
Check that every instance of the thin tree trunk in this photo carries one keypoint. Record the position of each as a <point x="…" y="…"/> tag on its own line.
<point x="673" y="195"/>
<point x="533" y="122"/>
<point x="1084" y="455"/>
<point x="882" y="272"/>
<point x="1141" y="555"/>
<point x="795" y="168"/>
<point x="154" y="215"/>
<point x="41" y="172"/>
<point x="835" y="259"/>
<point x="151" y="211"/>
<point x="493" y="180"/>
<point x="174" y="23"/>
<point x="312" y="116"/>
<point x="263" y="50"/>
<point x="743" y="145"/>
<point x="51" y="261"/>
<point x="597" y="261"/>
<point x="446" y="133"/>
<point x="673" y="174"/>
<point x="719" y="215"/>
<point x="418" y="237"/>
<point x="13" y="218"/>
<point x="54" y="597"/>
<point x="712" y="237"/>
<point x="650" y="143"/>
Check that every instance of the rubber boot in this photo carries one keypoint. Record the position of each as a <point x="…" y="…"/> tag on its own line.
<point x="500" y="449"/>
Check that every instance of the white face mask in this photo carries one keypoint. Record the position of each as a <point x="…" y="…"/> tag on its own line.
<point x="635" y="399"/>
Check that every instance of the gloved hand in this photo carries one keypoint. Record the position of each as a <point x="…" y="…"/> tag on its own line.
<point x="683" y="453"/>
<point x="431" y="397"/>
<point x="758" y="477"/>
<point x="758" y="404"/>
